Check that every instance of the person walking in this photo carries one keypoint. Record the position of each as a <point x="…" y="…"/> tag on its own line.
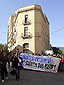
<point x="2" y="65"/>
<point x="6" y="64"/>
<point x="16" y="63"/>
<point x="19" y="66"/>
<point x="62" y="64"/>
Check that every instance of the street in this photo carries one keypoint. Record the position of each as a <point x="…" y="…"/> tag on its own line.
<point x="36" y="78"/>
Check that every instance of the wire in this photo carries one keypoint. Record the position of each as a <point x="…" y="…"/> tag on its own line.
<point x="57" y="42"/>
<point x="58" y="30"/>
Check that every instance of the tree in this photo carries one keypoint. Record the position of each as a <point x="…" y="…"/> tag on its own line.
<point x="63" y="52"/>
<point x="4" y="47"/>
<point x="56" y="50"/>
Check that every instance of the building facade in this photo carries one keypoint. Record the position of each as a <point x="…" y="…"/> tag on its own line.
<point x="28" y="30"/>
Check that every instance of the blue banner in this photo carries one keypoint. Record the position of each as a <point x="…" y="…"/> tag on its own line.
<point x="41" y="63"/>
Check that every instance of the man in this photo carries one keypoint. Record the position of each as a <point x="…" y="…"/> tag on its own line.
<point x="2" y="65"/>
<point x="19" y="66"/>
<point x="6" y="61"/>
<point x="15" y="63"/>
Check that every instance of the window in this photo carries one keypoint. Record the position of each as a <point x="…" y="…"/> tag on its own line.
<point x="26" y="18"/>
<point x="26" y="31"/>
<point x="25" y="47"/>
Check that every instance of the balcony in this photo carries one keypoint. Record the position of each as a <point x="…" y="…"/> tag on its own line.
<point x="26" y="37"/>
<point x="26" y="22"/>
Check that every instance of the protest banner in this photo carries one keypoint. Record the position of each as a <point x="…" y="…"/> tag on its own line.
<point x="40" y="63"/>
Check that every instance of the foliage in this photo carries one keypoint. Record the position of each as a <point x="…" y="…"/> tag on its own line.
<point x="56" y="50"/>
<point x="4" y="47"/>
<point x="63" y="52"/>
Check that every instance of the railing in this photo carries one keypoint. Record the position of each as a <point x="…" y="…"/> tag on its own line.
<point x="26" y="37"/>
<point x="26" y="23"/>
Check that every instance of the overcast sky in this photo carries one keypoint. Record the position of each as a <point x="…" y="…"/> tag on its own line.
<point x="54" y="10"/>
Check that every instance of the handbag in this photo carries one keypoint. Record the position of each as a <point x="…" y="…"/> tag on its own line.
<point x="13" y="71"/>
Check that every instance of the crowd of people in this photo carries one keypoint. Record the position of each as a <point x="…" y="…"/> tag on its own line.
<point x="61" y="65"/>
<point x="11" y="65"/>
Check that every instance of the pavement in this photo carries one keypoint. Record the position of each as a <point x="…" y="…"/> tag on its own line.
<point x="28" y="77"/>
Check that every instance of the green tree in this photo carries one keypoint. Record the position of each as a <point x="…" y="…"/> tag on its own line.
<point x="63" y="52"/>
<point x="56" y="50"/>
<point x="4" y="47"/>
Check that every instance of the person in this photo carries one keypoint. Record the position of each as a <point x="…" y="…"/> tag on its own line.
<point x="6" y="64"/>
<point x="13" y="62"/>
<point x="17" y="51"/>
<point x="2" y="65"/>
<point x="19" y="66"/>
<point x="16" y="63"/>
<point x="59" y="56"/>
<point x="54" y="55"/>
<point x="62" y="64"/>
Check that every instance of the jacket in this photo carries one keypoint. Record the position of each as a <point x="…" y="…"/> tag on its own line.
<point x="1" y="59"/>
<point x="15" y="62"/>
<point x="62" y="60"/>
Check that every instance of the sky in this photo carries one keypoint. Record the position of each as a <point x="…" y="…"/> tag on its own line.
<point x="54" y="10"/>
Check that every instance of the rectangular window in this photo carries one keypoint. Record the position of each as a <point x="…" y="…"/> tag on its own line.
<point x="26" y="45"/>
<point x="26" y="31"/>
<point x="26" y="18"/>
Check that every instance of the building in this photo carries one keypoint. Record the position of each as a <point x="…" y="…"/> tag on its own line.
<point x="28" y="30"/>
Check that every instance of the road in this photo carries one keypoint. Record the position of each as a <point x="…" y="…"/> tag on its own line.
<point x="36" y="78"/>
